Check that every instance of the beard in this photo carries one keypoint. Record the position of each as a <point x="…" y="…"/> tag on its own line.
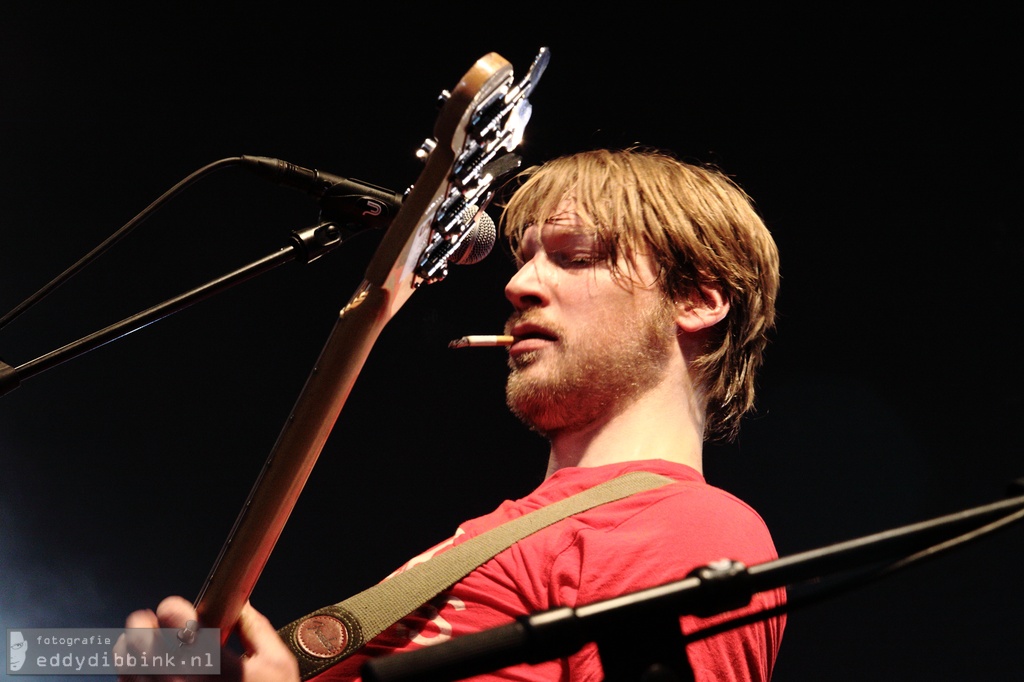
<point x="593" y="376"/>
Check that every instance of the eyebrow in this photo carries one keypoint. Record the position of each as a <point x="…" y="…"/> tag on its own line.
<point x="564" y="225"/>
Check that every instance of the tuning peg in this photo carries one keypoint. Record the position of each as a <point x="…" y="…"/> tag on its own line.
<point x="424" y="151"/>
<point x="443" y="98"/>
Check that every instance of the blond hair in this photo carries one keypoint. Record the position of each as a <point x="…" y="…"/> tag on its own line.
<point x="701" y="230"/>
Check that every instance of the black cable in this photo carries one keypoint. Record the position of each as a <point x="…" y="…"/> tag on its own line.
<point x="114" y="238"/>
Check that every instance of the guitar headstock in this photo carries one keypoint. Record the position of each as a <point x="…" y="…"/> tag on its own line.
<point x="481" y="123"/>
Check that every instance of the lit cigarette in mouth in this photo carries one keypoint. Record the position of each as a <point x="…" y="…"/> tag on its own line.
<point x="482" y="341"/>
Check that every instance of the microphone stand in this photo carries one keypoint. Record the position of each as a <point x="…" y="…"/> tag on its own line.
<point x="310" y="243"/>
<point x="638" y="634"/>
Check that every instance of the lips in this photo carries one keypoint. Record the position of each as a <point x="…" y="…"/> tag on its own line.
<point x="530" y="337"/>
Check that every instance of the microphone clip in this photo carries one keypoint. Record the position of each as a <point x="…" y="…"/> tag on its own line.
<point x="318" y="240"/>
<point x="356" y="205"/>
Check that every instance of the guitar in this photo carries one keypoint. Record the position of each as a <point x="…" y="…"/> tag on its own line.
<point x="480" y="124"/>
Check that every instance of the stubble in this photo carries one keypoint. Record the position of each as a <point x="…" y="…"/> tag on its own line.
<point x="591" y="375"/>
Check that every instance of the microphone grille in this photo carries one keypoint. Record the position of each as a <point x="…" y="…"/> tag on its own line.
<point x="478" y="242"/>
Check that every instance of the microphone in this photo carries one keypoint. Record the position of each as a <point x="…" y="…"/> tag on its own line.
<point x="477" y="243"/>
<point x="357" y="205"/>
<point x="353" y="204"/>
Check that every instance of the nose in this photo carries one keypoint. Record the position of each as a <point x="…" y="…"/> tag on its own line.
<point x="525" y="289"/>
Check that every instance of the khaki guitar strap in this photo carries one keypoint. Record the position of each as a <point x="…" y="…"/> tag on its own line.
<point x="332" y="633"/>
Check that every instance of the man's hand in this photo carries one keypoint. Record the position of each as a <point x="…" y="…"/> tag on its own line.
<point x="267" y="658"/>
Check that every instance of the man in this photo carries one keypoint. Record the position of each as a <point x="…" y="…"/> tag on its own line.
<point x="644" y="292"/>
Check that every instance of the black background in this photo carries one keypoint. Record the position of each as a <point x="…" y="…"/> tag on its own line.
<point x="882" y="148"/>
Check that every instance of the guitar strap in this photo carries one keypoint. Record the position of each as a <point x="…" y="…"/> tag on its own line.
<point x="333" y="633"/>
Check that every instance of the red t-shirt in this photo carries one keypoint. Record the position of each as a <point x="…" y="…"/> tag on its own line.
<point x="648" y="539"/>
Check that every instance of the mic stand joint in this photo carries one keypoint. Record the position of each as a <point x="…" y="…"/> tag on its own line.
<point x="317" y="240"/>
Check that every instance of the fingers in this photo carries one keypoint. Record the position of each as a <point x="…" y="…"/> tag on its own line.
<point x="142" y="619"/>
<point x="268" y="658"/>
<point x="255" y="631"/>
<point x="174" y="612"/>
<point x="177" y="613"/>
<point x="142" y="635"/>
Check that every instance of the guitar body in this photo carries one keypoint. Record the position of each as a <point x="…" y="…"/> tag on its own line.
<point x="479" y="125"/>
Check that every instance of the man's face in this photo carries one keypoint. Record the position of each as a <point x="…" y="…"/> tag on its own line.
<point x="18" y="648"/>
<point x="587" y="342"/>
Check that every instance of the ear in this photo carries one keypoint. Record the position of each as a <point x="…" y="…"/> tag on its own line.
<point x="703" y="310"/>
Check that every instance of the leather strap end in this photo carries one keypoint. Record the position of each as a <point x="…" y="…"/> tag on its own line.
<point x="322" y="638"/>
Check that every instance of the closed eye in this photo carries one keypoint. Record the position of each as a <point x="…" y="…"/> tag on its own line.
<point x="572" y="259"/>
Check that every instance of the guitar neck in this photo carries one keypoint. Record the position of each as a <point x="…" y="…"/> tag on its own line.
<point x="291" y="461"/>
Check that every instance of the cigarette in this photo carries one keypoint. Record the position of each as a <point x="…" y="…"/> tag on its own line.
<point x="482" y="341"/>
